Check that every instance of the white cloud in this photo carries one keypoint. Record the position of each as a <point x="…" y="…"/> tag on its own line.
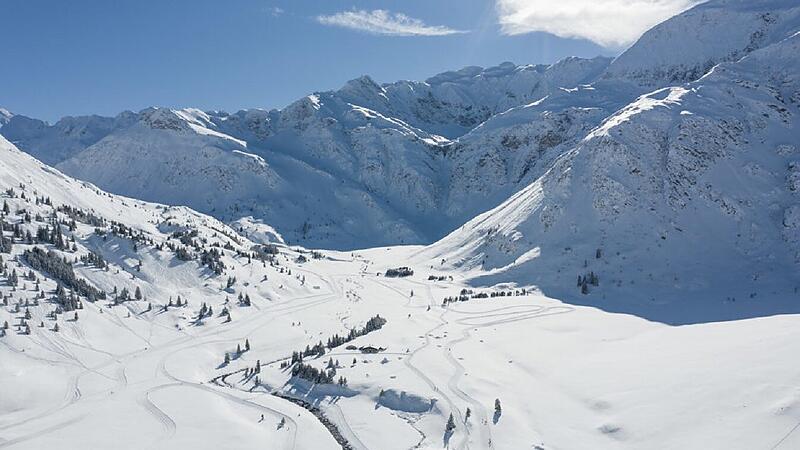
<point x="276" y="11"/>
<point x="611" y="23"/>
<point x="385" y="22"/>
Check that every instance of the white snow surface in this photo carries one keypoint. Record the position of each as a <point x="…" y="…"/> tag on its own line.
<point x="690" y="188"/>
<point x="619" y="243"/>
<point x="567" y="375"/>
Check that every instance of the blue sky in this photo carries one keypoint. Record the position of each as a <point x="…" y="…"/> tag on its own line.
<point x="81" y="56"/>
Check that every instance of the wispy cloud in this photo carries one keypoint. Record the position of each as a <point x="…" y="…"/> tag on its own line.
<point x="385" y="22"/>
<point x="610" y="23"/>
<point x="274" y="11"/>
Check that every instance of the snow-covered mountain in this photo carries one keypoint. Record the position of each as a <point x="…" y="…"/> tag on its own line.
<point x="663" y="185"/>
<point x="687" y="192"/>
<point x="405" y="162"/>
<point x="687" y="46"/>
<point x="362" y="166"/>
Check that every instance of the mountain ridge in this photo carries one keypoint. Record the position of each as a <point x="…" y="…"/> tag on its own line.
<point x="402" y="162"/>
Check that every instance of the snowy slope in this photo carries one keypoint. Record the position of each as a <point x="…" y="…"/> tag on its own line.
<point x="686" y="193"/>
<point x="127" y="376"/>
<point x="213" y="172"/>
<point x="635" y="288"/>
<point x="688" y="45"/>
<point x="61" y="383"/>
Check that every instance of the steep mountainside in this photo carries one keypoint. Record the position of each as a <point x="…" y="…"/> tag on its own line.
<point x="687" y="46"/>
<point x="687" y="191"/>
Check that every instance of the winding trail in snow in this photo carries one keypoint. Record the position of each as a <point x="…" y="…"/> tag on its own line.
<point x="166" y="422"/>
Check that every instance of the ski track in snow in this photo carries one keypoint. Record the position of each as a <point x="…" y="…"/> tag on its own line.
<point x="166" y="422"/>
<point x="73" y="393"/>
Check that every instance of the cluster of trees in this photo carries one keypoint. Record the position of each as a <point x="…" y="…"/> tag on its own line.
<point x="136" y="236"/>
<point x="327" y="376"/>
<point x="314" y="375"/>
<point x="205" y="311"/>
<point x="186" y="238"/>
<point x="181" y="253"/>
<point x="61" y="270"/>
<point x="212" y="259"/>
<point x="375" y="323"/>
<point x="265" y="252"/>
<point x="318" y="350"/>
<point x="94" y="259"/>
<point x="586" y="280"/>
<point x="51" y="235"/>
<point x="81" y="216"/>
<point x="13" y="279"/>
<point x="440" y="278"/>
<point x="125" y="295"/>
<point x="467" y="294"/>
<point x="244" y="300"/>
<point x="67" y="301"/>
<point x="178" y="302"/>
<point x="399" y="272"/>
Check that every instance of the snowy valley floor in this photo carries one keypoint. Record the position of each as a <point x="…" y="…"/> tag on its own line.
<point x="567" y="377"/>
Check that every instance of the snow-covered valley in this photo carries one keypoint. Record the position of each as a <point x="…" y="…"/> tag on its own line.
<point x="594" y="254"/>
<point x="135" y="370"/>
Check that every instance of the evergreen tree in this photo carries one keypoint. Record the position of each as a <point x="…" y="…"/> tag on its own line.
<point x="451" y="424"/>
